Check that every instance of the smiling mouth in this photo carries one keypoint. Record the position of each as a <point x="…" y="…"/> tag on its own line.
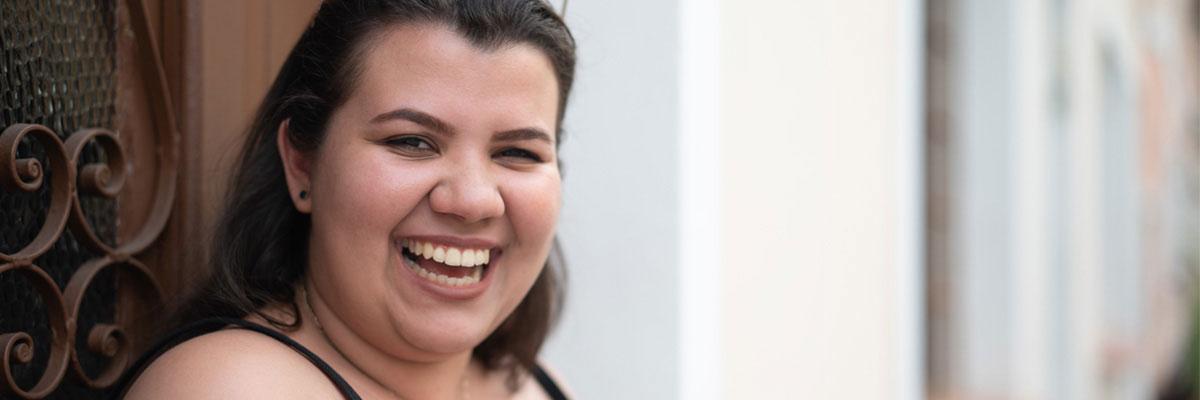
<point x="446" y="265"/>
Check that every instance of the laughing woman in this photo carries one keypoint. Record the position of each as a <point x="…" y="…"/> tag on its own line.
<point x="389" y="231"/>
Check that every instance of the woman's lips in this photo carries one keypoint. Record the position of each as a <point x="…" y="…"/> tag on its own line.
<point x="446" y="265"/>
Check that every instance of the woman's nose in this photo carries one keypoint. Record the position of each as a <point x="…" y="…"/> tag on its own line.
<point x="468" y="192"/>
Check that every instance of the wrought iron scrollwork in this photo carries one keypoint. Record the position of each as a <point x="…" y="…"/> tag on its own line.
<point x="106" y="339"/>
<point x="25" y="174"/>
<point x="68" y="176"/>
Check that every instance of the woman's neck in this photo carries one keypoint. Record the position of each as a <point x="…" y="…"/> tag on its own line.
<point x="385" y="375"/>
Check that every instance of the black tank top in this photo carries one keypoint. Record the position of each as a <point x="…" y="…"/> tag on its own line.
<point x="215" y="324"/>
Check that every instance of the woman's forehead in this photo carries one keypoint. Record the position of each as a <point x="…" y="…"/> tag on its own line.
<point x="433" y="67"/>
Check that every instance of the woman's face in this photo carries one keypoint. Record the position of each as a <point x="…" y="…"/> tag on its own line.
<point x="435" y="193"/>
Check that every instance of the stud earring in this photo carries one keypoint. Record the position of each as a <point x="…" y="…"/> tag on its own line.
<point x="303" y="194"/>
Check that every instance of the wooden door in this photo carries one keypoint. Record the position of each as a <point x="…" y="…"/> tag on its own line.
<point x="116" y="116"/>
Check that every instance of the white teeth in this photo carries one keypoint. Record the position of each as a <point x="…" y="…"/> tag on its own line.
<point x="471" y="279"/>
<point x="452" y="256"/>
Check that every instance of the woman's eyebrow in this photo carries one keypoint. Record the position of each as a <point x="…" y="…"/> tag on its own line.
<point x="523" y="134"/>
<point x="418" y="117"/>
<point x="442" y="127"/>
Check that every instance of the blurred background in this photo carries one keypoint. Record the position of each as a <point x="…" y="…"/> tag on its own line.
<point x="946" y="199"/>
<point x="773" y="199"/>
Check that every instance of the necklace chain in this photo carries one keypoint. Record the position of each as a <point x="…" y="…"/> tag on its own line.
<point x="317" y="321"/>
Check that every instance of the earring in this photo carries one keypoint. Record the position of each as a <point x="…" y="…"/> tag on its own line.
<point x="303" y="194"/>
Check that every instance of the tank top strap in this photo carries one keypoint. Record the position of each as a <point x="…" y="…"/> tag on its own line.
<point x="215" y="324"/>
<point x="547" y="383"/>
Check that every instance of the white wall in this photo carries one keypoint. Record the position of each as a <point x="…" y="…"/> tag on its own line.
<point x="819" y="186"/>
<point x="742" y="213"/>
<point x="619" y="225"/>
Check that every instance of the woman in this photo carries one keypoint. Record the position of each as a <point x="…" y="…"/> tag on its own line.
<point x="389" y="227"/>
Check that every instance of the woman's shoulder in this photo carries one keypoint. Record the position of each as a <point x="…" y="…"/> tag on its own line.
<point x="231" y="363"/>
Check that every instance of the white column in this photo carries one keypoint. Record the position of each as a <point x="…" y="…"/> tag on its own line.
<point x="1031" y="355"/>
<point x="909" y="179"/>
<point x="699" y="210"/>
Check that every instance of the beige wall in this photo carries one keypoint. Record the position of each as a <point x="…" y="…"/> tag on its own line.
<point x="809" y="137"/>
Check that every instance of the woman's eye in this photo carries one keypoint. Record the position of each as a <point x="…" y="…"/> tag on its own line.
<point x="411" y="143"/>
<point x="514" y="152"/>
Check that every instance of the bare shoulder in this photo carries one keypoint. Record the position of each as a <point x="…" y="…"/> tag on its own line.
<point x="232" y="364"/>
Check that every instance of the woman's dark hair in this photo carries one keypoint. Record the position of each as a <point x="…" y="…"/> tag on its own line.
<point x="259" y="248"/>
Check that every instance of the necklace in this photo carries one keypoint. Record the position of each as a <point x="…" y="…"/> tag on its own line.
<point x="317" y="321"/>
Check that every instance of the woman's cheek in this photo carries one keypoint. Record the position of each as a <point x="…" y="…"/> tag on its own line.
<point x="535" y="206"/>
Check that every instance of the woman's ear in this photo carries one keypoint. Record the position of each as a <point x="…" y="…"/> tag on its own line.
<point x="296" y="167"/>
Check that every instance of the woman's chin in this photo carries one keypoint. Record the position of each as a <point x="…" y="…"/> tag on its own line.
<point x="446" y="338"/>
